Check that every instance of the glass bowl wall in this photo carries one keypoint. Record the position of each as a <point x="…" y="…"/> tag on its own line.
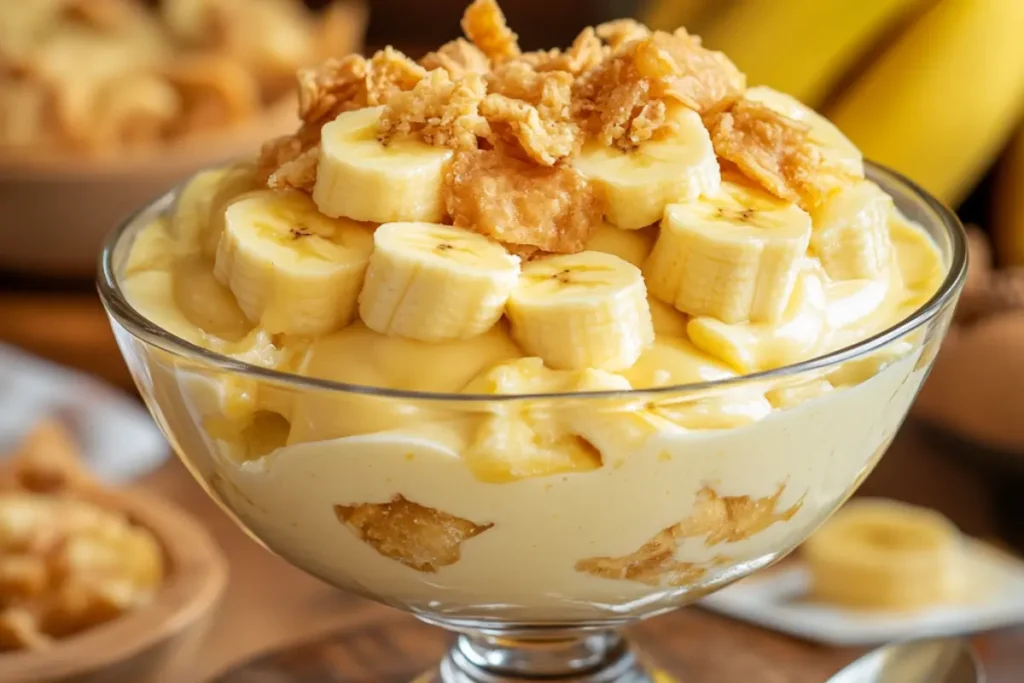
<point x="369" y="489"/>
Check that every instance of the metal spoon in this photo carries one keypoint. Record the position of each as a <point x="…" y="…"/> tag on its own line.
<point x="942" y="660"/>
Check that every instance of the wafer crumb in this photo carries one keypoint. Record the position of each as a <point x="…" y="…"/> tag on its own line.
<point x="772" y="150"/>
<point x="716" y="519"/>
<point x="419" y="537"/>
<point x="554" y="209"/>
<point x="484" y="24"/>
<point x="438" y="110"/>
<point x="458" y="57"/>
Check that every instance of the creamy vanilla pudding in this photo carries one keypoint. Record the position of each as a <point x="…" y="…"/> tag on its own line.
<point x="516" y="332"/>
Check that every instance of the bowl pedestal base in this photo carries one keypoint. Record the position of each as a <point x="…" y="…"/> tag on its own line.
<point x="584" y="657"/>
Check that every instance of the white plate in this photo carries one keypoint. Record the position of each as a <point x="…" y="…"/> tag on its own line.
<point x="775" y="600"/>
<point x="118" y="438"/>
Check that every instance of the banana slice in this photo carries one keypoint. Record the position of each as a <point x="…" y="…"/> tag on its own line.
<point x="519" y="440"/>
<point x="526" y="439"/>
<point x="358" y="177"/>
<point x="639" y="183"/>
<point x="585" y="310"/>
<point x="837" y="149"/>
<point x="751" y="347"/>
<point x="291" y="268"/>
<point x="197" y="219"/>
<point x="884" y="554"/>
<point x="734" y="256"/>
<point x="631" y="246"/>
<point x="435" y="282"/>
<point x="851" y="232"/>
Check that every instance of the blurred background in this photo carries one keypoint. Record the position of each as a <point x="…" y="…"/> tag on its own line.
<point x="933" y="88"/>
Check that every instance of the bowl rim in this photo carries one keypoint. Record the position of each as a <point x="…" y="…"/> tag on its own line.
<point x="197" y="577"/>
<point x="127" y="316"/>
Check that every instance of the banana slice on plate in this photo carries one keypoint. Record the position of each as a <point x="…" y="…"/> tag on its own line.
<point x="751" y="347"/>
<point x="359" y="177"/>
<point x="836" y="148"/>
<point x="637" y="184"/>
<point x="435" y="282"/>
<point x="733" y="256"/>
<point x="585" y="310"/>
<point x="292" y="269"/>
<point x="851" y="232"/>
<point x="884" y="554"/>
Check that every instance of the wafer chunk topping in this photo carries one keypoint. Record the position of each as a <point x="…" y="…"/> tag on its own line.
<point x="525" y="126"/>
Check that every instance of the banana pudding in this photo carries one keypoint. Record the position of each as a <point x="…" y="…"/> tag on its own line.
<point x="512" y="335"/>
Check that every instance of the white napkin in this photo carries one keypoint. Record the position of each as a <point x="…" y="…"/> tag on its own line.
<point x="117" y="436"/>
<point x="774" y="600"/>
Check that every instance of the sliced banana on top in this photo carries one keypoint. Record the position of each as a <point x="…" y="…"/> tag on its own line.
<point x="197" y="219"/>
<point x="435" y="282"/>
<point x="851" y="232"/>
<point x="752" y="347"/>
<point x="292" y="269"/>
<point x="733" y="256"/>
<point x="358" y="177"/>
<point x="639" y="183"/>
<point x="585" y="310"/>
<point x="837" y="149"/>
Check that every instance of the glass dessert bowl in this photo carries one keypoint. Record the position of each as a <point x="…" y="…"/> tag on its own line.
<point x="536" y="435"/>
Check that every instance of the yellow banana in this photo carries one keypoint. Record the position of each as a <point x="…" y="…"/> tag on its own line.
<point x="821" y="40"/>
<point x="1008" y="210"/>
<point x="668" y="15"/>
<point x="940" y="102"/>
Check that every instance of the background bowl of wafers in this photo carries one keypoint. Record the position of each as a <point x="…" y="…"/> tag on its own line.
<point x="106" y="103"/>
<point x="97" y="584"/>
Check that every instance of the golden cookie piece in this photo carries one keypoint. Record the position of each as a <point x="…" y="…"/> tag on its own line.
<point x="419" y="537"/>
<point x="718" y="519"/>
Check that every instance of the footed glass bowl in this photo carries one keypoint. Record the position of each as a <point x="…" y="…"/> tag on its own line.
<point x="371" y="489"/>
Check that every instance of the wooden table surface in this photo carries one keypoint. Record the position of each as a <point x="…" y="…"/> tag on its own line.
<point x="269" y="604"/>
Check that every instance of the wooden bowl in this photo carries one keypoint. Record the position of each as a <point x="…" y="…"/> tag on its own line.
<point x="976" y="387"/>
<point x="57" y="208"/>
<point x="147" y="645"/>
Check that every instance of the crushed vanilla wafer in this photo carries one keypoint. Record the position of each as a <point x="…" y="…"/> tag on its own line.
<point x="336" y="86"/>
<point x="518" y="119"/>
<point x="484" y="24"/>
<point x="390" y="72"/>
<point x="438" y="110"/>
<point x="553" y="209"/>
<point x="619" y="32"/>
<point x="654" y="563"/>
<point x="66" y="563"/>
<point x="531" y="110"/>
<point x="419" y="537"/>
<point x="585" y="53"/>
<point x="773" y="150"/>
<point x="98" y="76"/>
<point x="297" y="173"/>
<point x="659" y="68"/>
<point x="716" y="519"/>
<point x="458" y="57"/>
